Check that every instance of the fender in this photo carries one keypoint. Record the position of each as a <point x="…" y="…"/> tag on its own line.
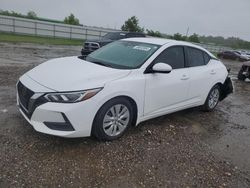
<point x="226" y="89"/>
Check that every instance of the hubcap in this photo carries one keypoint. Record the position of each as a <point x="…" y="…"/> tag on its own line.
<point x="116" y="120"/>
<point x="214" y="98"/>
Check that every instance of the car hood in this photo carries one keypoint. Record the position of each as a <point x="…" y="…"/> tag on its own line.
<point x="73" y="74"/>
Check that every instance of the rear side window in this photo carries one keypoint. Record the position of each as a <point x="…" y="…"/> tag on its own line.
<point x="174" y="56"/>
<point x="195" y="57"/>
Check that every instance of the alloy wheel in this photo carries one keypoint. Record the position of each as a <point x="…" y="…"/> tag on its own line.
<point x="214" y="98"/>
<point x="116" y="120"/>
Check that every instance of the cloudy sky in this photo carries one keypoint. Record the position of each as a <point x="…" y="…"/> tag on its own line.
<point x="205" y="17"/>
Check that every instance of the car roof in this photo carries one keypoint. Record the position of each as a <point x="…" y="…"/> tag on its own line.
<point x="126" y="32"/>
<point x="162" y="41"/>
<point x="157" y="41"/>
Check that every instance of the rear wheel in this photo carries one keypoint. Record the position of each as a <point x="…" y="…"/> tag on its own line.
<point x="212" y="99"/>
<point x="113" y="119"/>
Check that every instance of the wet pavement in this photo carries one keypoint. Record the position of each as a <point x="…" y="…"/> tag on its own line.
<point x="190" y="148"/>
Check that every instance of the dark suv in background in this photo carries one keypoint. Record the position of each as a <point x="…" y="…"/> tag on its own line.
<point x="92" y="45"/>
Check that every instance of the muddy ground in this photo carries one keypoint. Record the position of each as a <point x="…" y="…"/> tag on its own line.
<point x="185" y="149"/>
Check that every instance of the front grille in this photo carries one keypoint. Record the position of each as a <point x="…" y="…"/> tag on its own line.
<point x="24" y="95"/>
<point x="91" y="46"/>
<point x="27" y="103"/>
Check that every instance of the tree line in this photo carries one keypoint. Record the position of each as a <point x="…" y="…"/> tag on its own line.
<point x="71" y="19"/>
<point x="30" y="14"/>
<point x="132" y="25"/>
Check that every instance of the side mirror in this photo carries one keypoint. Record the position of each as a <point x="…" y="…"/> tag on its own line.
<point x="161" y="68"/>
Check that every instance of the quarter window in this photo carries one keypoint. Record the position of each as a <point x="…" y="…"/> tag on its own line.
<point x="195" y="57"/>
<point x="174" y="56"/>
<point x="206" y="58"/>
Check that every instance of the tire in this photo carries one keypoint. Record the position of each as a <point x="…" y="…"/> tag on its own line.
<point x="108" y="124"/>
<point x="212" y="99"/>
<point x="241" y="76"/>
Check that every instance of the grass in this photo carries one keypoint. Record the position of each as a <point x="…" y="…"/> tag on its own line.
<point x="15" y="38"/>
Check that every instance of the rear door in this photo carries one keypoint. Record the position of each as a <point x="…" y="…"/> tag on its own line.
<point x="200" y="73"/>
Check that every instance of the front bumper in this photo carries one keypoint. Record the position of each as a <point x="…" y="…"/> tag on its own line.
<point x="64" y="120"/>
<point x="59" y="119"/>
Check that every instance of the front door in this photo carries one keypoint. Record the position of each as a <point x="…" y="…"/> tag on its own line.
<point x="167" y="91"/>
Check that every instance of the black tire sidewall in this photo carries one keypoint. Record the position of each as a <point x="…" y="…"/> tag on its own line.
<point x="97" y="128"/>
<point x="241" y="76"/>
<point x="206" y="106"/>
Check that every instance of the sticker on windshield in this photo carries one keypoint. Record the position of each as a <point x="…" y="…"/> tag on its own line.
<point x="142" y="48"/>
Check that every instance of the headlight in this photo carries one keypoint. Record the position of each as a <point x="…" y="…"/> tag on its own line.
<point x="72" y="97"/>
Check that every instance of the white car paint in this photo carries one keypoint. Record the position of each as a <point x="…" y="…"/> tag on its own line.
<point x="154" y="94"/>
<point x="82" y="75"/>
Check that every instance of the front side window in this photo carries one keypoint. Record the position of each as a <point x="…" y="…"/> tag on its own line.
<point x="195" y="57"/>
<point x="174" y="56"/>
<point x="123" y="54"/>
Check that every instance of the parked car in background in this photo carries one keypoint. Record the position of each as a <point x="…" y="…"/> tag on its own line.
<point x="244" y="53"/>
<point x="109" y="91"/>
<point x="244" y="72"/>
<point x="233" y="55"/>
<point x="92" y="45"/>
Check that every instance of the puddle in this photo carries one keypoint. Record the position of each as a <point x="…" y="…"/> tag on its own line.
<point x="233" y="141"/>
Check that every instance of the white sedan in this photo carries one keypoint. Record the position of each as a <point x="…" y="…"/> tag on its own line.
<point x="120" y="85"/>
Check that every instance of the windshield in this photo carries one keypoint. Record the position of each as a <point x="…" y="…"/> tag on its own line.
<point x="114" y="36"/>
<point x="123" y="54"/>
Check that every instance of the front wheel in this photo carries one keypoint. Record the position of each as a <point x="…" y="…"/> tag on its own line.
<point x="113" y="119"/>
<point x="212" y="99"/>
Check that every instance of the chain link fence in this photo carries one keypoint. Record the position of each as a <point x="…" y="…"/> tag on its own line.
<point x="49" y="29"/>
<point x="41" y="28"/>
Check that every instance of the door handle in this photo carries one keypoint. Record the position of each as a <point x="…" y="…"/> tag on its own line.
<point x="213" y="72"/>
<point x="184" y="77"/>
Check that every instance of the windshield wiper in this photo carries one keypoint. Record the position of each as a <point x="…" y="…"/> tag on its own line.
<point x="100" y="63"/>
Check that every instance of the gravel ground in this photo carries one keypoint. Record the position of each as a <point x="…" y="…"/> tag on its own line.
<point x="185" y="149"/>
